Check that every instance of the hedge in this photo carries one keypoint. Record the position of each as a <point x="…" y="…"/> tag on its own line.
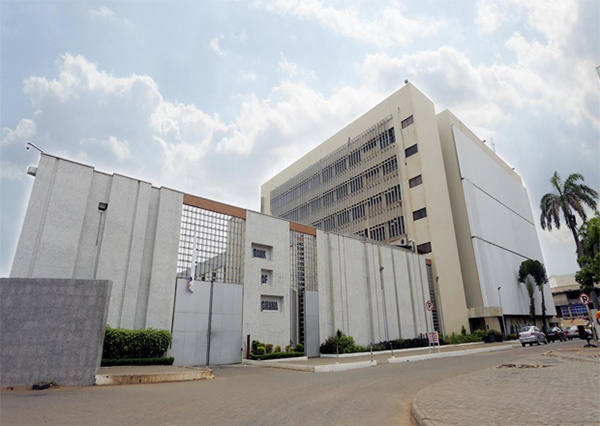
<point x="120" y="343"/>
<point x="276" y="355"/>
<point x="137" y="361"/>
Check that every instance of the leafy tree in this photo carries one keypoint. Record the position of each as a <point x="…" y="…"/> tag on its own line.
<point x="536" y="270"/>
<point x="568" y="198"/>
<point x="590" y="261"/>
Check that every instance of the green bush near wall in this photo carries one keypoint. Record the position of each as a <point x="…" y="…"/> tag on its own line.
<point x="137" y="361"/>
<point x="276" y="355"/>
<point x="120" y="343"/>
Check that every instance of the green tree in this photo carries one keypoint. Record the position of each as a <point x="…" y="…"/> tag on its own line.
<point x="568" y="198"/>
<point x="536" y="270"/>
<point x="590" y="261"/>
<point x="529" y="282"/>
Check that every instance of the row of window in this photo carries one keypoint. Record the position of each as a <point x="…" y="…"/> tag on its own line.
<point x="394" y="228"/>
<point x="384" y="140"/>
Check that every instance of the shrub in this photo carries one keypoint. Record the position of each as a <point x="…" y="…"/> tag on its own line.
<point x="255" y="344"/>
<point x="463" y="331"/>
<point x="512" y="337"/>
<point x="494" y="332"/>
<point x="260" y="350"/>
<point x="276" y="355"/>
<point x="277" y="349"/>
<point x="299" y="348"/>
<point x="137" y="361"/>
<point x="289" y="348"/>
<point x="269" y="348"/>
<point x="120" y="343"/>
<point x="345" y="344"/>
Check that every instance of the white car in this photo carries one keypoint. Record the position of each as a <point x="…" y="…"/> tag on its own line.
<point x="531" y="334"/>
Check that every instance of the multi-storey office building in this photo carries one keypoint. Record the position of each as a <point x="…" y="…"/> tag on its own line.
<point x="406" y="176"/>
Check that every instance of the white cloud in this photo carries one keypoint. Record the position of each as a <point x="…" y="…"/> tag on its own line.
<point x="214" y="45"/>
<point x="489" y="17"/>
<point x="388" y="28"/>
<point x="24" y="131"/>
<point x="248" y="76"/>
<point x="108" y="14"/>
<point x="120" y="149"/>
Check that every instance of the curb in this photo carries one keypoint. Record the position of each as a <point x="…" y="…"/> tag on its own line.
<point x="448" y="354"/>
<point x="331" y="368"/>
<point x="134" y="379"/>
<point x="282" y="365"/>
<point x="573" y="358"/>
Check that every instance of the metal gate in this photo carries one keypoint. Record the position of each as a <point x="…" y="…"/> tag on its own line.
<point x="207" y="323"/>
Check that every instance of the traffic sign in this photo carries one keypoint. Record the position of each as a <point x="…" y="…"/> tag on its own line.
<point x="429" y="305"/>
<point x="584" y="299"/>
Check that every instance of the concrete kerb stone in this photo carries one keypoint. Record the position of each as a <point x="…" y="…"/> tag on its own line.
<point x="186" y="374"/>
<point x="397" y="351"/>
<point x="330" y="368"/>
<point x="448" y="354"/>
<point x="282" y="365"/>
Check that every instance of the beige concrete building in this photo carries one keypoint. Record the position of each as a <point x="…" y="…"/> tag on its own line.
<point x="406" y="176"/>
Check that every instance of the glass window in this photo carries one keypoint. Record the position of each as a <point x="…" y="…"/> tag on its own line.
<point x="420" y="214"/>
<point x="407" y="122"/>
<point x="417" y="180"/>
<point x="411" y="150"/>
<point x="424" y="248"/>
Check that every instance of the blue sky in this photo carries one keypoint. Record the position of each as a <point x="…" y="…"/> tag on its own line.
<point x="213" y="98"/>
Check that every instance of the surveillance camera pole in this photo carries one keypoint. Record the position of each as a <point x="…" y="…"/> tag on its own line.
<point x="31" y="144"/>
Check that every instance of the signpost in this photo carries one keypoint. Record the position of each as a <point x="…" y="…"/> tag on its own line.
<point x="433" y="340"/>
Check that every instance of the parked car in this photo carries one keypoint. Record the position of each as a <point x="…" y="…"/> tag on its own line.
<point x="556" y="333"/>
<point x="531" y="334"/>
<point x="572" y="332"/>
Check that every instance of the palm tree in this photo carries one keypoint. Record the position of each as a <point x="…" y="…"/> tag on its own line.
<point x="536" y="270"/>
<point x="530" y="285"/>
<point x="569" y="198"/>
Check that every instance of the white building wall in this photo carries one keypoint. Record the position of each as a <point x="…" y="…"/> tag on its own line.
<point x="267" y="327"/>
<point x="502" y="229"/>
<point x="65" y="236"/>
<point x="367" y="303"/>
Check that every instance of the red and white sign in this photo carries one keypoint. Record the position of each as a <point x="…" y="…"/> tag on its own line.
<point x="429" y="305"/>
<point x="433" y="337"/>
<point x="584" y="299"/>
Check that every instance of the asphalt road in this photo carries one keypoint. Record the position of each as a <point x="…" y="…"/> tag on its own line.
<point x="253" y="395"/>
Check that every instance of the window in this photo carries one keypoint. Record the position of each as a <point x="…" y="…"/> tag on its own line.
<point x="377" y="233"/>
<point x="315" y="205"/>
<point x="329" y="223"/>
<point x="358" y="211"/>
<point x="396" y="227"/>
<point x="354" y="157"/>
<point x="420" y="214"/>
<point x="417" y="180"/>
<point x="327" y="173"/>
<point x="343" y="218"/>
<point x="411" y="150"/>
<point x="392" y="195"/>
<point x="374" y="204"/>
<point x="341" y="191"/>
<point x="340" y="166"/>
<point x="328" y="198"/>
<point x="390" y="165"/>
<point x="407" y="122"/>
<point x="356" y="184"/>
<point x="387" y="138"/>
<point x="424" y="248"/>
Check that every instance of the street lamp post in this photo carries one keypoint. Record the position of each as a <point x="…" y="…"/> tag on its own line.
<point x="500" y="300"/>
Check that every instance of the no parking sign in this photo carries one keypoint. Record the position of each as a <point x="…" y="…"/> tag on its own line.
<point x="584" y="299"/>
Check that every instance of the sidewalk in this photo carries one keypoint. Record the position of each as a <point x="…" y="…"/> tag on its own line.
<point x="556" y="387"/>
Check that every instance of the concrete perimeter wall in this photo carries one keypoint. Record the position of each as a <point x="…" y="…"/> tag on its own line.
<point x="133" y="243"/>
<point x="372" y="292"/>
<point x="52" y="330"/>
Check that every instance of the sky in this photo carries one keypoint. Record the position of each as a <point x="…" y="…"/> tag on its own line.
<point x="214" y="98"/>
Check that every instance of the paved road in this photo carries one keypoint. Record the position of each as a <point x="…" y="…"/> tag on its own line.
<point x="253" y="395"/>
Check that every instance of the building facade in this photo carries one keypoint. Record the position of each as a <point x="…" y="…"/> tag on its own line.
<point x="407" y="176"/>
<point x="217" y="275"/>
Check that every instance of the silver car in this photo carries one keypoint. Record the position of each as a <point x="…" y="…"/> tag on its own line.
<point x="531" y="334"/>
